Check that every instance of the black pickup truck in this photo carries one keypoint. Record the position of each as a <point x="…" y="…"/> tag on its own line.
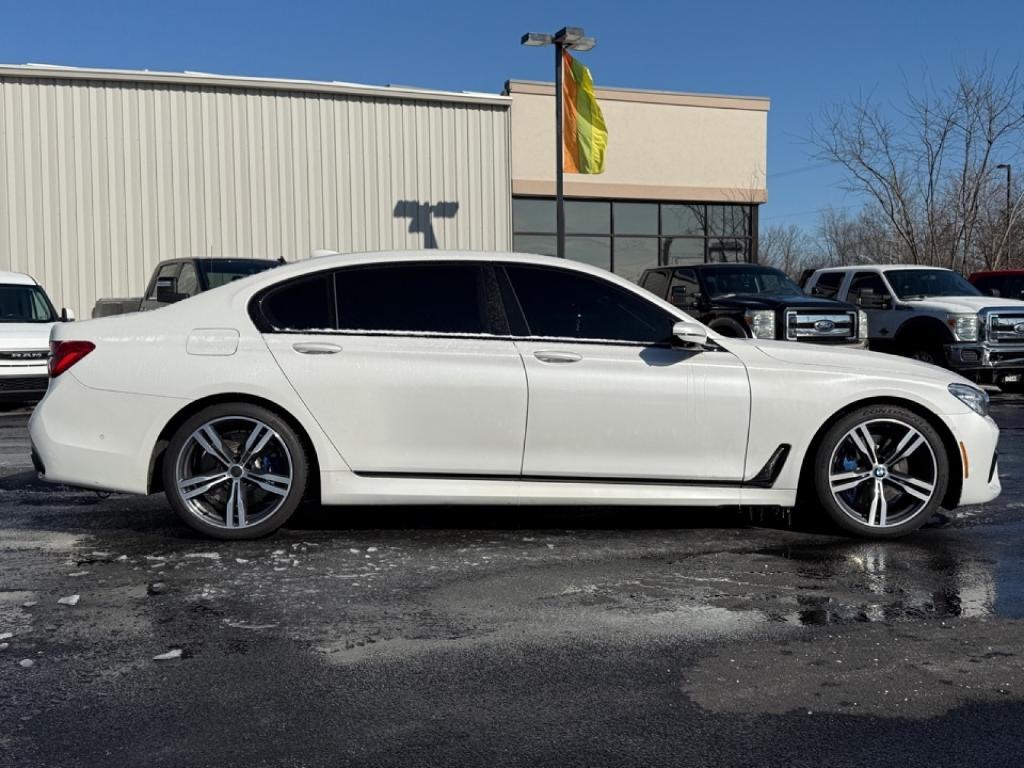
<point x="754" y="301"/>
<point x="177" y="279"/>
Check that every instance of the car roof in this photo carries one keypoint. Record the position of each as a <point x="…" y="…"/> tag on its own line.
<point x="878" y="267"/>
<point x="249" y="286"/>
<point x="16" y="278"/>
<point x="999" y="273"/>
<point x="336" y="260"/>
<point x="711" y="266"/>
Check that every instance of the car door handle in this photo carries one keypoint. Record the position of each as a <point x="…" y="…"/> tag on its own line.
<point x="315" y="348"/>
<point x="557" y="357"/>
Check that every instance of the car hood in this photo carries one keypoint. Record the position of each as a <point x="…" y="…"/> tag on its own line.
<point x="25" y="335"/>
<point x="966" y="304"/>
<point x="795" y="353"/>
<point x="774" y="301"/>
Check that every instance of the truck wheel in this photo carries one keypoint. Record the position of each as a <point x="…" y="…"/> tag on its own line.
<point x="730" y="329"/>
<point x="881" y="472"/>
<point x="925" y="352"/>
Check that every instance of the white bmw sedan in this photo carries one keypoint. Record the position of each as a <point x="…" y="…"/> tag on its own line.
<point x="476" y="378"/>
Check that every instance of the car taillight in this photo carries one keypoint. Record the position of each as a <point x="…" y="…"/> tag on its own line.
<point x="64" y="354"/>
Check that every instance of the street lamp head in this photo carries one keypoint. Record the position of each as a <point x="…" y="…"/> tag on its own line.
<point x="568" y="36"/>
<point x="535" y="39"/>
<point x="1003" y="166"/>
<point x="584" y="44"/>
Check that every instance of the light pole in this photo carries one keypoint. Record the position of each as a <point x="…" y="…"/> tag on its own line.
<point x="571" y="38"/>
<point x="1009" y="205"/>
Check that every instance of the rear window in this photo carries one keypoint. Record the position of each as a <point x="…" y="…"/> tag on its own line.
<point x="301" y="305"/>
<point x="218" y="272"/>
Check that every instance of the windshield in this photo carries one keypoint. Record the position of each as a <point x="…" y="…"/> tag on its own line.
<point x="219" y="272"/>
<point x="922" y="283"/>
<point x="25" y="304"/>
<point x="747" y="280"/>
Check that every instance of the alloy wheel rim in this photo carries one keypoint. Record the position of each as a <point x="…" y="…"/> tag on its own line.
<point x="882" y="473"/>
<point x="234" y="472"/>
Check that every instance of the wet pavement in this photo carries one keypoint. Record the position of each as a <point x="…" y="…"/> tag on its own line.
<point x="533" y="637"/>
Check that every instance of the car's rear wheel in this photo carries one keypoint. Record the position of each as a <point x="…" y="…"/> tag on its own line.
<point x="235" y="471"/>
<point x="881" y="471"/>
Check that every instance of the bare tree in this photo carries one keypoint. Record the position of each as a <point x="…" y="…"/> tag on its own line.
<point x="926" y="168"/>
<point x="785" y="247"/>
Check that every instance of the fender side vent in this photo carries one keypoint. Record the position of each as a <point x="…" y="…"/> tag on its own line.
<point x="770" y="471"/>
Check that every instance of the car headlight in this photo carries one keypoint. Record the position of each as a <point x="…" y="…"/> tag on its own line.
<point x="862" y="324"/>
<point x="974" y="398"/>
<point x="761" y="323"/>
<point x="964" y="327"/>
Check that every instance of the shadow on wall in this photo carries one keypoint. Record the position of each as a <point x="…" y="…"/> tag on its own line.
<point x="421" y="217"/>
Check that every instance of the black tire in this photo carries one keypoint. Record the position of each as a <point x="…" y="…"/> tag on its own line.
<point x="836" y="453"/>
<point x="924" y="351"/>
<point x="730" y="329"/>
<point x="287" y="451"/>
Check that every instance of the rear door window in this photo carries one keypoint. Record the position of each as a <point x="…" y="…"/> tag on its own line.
<point x="571" y="305"/>
<point x="416" y="298"/>
<point x="827" y="285"/>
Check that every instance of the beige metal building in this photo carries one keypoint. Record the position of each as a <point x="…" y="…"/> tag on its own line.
<point x="104" y="173"/>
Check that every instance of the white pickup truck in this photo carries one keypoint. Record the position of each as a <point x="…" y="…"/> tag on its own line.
<point x="933" y="315"/>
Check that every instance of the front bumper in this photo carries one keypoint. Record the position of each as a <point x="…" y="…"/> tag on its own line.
<point x="978" y="439"/>
<point x="1001" y="361"/>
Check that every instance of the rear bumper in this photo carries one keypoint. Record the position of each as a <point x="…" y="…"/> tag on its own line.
<point x="93" y="438"/>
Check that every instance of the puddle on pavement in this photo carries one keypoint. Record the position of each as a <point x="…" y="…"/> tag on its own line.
<point x="964" y="574"/>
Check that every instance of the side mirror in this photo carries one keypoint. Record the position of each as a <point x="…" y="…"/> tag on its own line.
<point x="681" y="297"/>
<point x="66" y="315"/>
<point x="167" y="295"/>
<point x="690" y="334"/>
<point x="868" y="299"/>
<point x="995" y="292"/>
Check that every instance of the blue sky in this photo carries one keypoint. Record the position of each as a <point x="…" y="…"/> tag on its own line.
<point x="803" y="55"/>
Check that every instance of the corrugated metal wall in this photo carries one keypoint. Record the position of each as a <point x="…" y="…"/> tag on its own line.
<point x="101" y="180"/>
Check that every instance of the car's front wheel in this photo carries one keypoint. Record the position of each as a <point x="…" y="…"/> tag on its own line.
<point x="235" y="471"/>
<point x="881" y="471"/>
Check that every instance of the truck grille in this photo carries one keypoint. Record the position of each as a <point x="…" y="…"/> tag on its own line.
<point x="808" y="325"/>
<point x="23" y="383"/>
<point x="1006" y="329"/>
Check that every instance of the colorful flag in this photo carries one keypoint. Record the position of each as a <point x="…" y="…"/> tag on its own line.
<point x="584" y="134"/>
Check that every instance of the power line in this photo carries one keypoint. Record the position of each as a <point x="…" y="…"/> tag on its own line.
<point x="801" y="169"/>
<point x="797" y="214"/>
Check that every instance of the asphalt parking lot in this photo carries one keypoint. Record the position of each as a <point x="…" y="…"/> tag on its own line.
<point x="507" y="637"/>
